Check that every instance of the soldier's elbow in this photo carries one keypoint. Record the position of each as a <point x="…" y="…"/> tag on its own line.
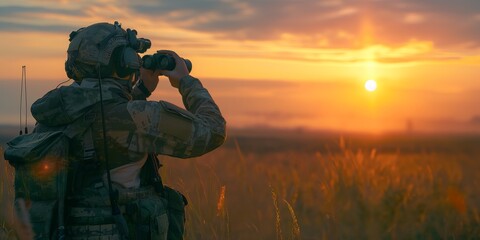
<point x="208" y="141"/>
<point x="217" y="140"/>
<point x="218" y="136"/>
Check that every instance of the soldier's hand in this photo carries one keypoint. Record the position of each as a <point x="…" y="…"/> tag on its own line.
<point x="176" y="74"/>
<point x="149" y="78"/>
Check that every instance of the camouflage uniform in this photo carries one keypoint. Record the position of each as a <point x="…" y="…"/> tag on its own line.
<point x="135" y="127"/>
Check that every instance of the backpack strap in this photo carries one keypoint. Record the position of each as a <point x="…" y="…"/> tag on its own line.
<point x="88" y="146"/>
<point x="88" y="143"/>
<point x="80" y="125"/>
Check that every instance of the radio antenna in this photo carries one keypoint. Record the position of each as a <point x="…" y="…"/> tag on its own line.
<point x="23" y="98"/>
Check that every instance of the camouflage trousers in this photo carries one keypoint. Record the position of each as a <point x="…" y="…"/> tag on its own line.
<point x="147" y="214"/>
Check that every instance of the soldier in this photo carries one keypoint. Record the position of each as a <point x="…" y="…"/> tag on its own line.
<point x="103" y="58"/>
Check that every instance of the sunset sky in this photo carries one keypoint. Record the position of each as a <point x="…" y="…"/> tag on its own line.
<point x="280" y="63"/>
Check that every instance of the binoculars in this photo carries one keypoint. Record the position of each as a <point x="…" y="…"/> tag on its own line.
<point x="162" y="61"/>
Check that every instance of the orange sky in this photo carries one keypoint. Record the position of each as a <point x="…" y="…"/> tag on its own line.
<point x="280" y="62"/>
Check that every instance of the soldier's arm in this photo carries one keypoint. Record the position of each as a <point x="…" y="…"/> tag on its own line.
<point x="172" y="130"/>
<point x="164" y="128"/>
<point x="140" y="91"/>
<point x="211" y="126"/>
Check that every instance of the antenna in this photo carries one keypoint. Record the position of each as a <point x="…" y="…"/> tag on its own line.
<point x="24" y="68"/>
<point x="23" y="88"/>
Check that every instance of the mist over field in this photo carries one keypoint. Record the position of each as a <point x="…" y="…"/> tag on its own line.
<point x="298" y="105"/>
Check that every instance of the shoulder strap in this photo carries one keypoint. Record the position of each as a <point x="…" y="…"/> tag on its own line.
<point x="80" y="125"/>
<point x="88" y="146"/>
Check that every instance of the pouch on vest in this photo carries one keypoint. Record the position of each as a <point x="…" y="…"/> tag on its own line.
<point x="176" y="213"/>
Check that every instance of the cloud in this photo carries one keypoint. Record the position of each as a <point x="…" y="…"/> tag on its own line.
<point x="25" y="27"/>
<point x="279" y="116"/>
<point x="257" y="20"/>
<point x="475" y="120"/>
<point x="413" y="18"/>
<point x="16" y="10"/>
<point x="443" y="22"/>
<point x="21" y="19"/>
<point x="306" y="30"/>
<point x="409" y="52"/>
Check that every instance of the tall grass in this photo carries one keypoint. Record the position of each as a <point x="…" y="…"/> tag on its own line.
<point x="7" y="221"/>
<point x="354" y="194"/>
<point x="292" y="194"/>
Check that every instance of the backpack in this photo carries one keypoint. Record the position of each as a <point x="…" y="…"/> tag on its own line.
<point x="41" y="160"/>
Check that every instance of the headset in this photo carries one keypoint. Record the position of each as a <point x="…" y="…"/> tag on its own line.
<point x="101" y="49"/>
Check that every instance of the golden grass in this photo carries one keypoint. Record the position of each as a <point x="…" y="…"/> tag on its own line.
<point x="278" y="219"/>
<point x="295" y="225"/>
<point x="8" y="225"/>
<point x="354" y="194"/>
<point x="292" y="194"/>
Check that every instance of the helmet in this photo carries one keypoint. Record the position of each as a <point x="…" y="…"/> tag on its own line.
<point x="102" y="48"/>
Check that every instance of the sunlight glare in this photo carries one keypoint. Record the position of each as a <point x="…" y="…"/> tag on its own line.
<point x="371" y="85"/>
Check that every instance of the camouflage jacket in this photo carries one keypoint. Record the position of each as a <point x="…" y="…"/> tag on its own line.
<point x="136" y="126"/>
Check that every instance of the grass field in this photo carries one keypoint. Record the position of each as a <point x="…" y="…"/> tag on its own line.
<point x="356" y="187"/>
<point x="7" y="223"/>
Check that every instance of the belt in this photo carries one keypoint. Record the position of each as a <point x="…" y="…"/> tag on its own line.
<point x="100" y="232"/>
<point x="98" y="196"/>
<point x="128" y="195"/>
<point x="97" y="210"/>
<point x="91" y="215"/>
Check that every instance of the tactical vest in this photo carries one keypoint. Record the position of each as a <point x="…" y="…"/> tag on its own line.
<point x="151" y="212"/>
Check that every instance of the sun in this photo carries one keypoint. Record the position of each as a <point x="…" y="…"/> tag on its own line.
<point x="371" y="85"/>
